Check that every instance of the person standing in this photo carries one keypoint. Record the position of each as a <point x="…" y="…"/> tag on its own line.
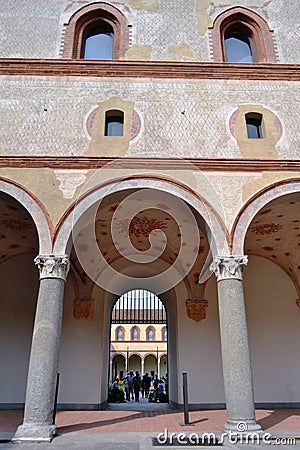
<point x="137" y="383"/>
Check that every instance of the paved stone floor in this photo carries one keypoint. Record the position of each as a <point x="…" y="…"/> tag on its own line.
<point x="132" y="426"/>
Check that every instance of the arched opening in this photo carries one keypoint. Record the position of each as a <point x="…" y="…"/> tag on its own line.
<point x="19" y="245"/>
<point x="272" y="288"/>
<point x="114" y="123"/>
<point x="98" y="43"/>
<point x="172" y="274"/>
<point x="238" y="46"/>
<point x="254" y="125"/>
<point x="142" y="316"/>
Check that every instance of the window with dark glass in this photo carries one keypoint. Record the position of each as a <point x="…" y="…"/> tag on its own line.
<point x="254" y="126"/>
<point x="135" y="334"/>
<point x="114" y="123"/>
<point x="150" y="336"/>
<point x="238" y="47"/>
<point x="98" y="44"/>
<point x="120" y="334"/>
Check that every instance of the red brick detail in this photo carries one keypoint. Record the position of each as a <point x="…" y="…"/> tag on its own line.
<point x="149" y="69"/>
<point x="139" y="333"/>
<point x="90" y="16"/>
<point x="204" y="164"/>
<point x="154" y="332"/>
<point x="245" y="20"/>
<point x="116" y="333"/>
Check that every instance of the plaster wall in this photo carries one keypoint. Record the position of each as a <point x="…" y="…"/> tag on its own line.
<point x="80" y="354"/>
<point x="36" y="116"/>
<point x="18" y="296"/>
<point x="199" y="352"/>
<point x="273" y="325"/>
<point x="168" y="29"/>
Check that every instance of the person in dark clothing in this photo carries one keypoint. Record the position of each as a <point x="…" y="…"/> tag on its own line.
<point x="137" y="383"/>
<point x="146" y="384"/>
<point x="116" y="393"/>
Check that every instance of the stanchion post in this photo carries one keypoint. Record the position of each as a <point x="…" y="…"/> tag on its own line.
<point x="185" y="398"/>
<point x="56" y="397"/>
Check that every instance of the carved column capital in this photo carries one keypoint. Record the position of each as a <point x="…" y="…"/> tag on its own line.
<point x="53" y="266"/>
<point x="229" y="267"/>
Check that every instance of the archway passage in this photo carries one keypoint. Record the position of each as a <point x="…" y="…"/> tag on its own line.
<point x="272" y="291"/>
<point x="18" y="294"/>
<point x="103" y="268"/>
<point x="138" y="343"/>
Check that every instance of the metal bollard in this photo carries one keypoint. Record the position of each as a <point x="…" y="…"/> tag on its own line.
<point x="185" y="398"/>
<point x="56" y="396"/>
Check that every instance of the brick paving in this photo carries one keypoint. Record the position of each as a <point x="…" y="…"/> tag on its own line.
<point x="152" y="421"/>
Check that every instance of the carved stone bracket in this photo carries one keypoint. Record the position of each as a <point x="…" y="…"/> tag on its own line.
<point x="196" y="309"/>
<point x="52" y="266"/>
<point x="229" y="267"/>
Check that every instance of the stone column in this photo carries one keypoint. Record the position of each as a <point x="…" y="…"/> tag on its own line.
<point x="111" y="370"/>
<point x="234" y="342"/>
<point x="143" y="367"/>
<point x="40" y="394"/>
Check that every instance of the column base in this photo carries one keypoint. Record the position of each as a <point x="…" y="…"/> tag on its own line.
<point x="32" y="432"/>
<point x="246" y="426"/>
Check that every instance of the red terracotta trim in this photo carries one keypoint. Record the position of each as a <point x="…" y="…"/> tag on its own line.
<point x="254" y="197"/>
<point x="147" y="69"/>
<point x="204" y="164"/>
<point x="243" y="18"/>
<point x="90" y="16"/>
<point x="35" y="199"/>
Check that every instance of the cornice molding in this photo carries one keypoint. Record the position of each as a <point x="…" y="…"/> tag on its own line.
<point x="149" y="69"/>
<point x="204" y="164"/>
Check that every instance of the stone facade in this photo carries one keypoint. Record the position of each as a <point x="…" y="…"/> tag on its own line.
<point x="185" y="38"/>
<point x="184" y="192"/>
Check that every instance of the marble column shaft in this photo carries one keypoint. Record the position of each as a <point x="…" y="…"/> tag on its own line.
<point x="237" y="374"/>
<point x="43" y="365"/>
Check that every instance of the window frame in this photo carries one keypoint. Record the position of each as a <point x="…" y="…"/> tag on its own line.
<point x="256" y="27"/>
<point x="253" y="116"/>
<point x="92" y="16"/>
<point x="108" y="29"/>
<point x="112" y="114"/>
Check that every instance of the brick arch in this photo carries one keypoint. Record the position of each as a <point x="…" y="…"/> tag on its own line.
<point x="135" y="327"/>
<point x="150" y="327"/>
<point x="162" y="332"/>
<point x="90" y="16"/>
<point x="244" y="19"/>
<point x="253" y="206"/>
<point x="123" y="331"/>
<point x="36" y="210"/>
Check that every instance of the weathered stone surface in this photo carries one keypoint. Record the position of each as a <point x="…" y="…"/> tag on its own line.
<point x="155" y="23"/>
<point x="234" y="342"/>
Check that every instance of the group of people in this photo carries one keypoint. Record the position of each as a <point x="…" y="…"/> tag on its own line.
<point x="135" y="384"/>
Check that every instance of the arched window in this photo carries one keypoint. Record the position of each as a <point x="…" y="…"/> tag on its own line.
<point x="134" y="334"/>
<point x="238" y="47"/>
<point x="96" y="32"/>
<point x="150" y="335"/>
<point x="120" y="334"/>
<point x="239" y="35"/>
<point x="254" y="125"/>
<point x="114" y="123"/>
<point x="164" y="334"/>
<point x="98" y="43"/>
